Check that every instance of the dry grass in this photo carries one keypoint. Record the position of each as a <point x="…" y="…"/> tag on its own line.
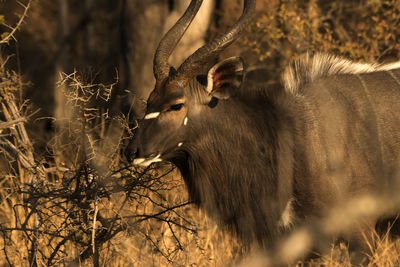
<point x="158" y="243"/>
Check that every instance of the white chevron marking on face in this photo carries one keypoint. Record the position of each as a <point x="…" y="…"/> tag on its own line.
<point x="152" y="115"/>
<point x="185" y="121"/>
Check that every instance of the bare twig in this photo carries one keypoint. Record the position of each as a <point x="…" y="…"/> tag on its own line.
<point x="9" y="36"/>
<point x="96" y="209"/>
<point x="8" y="124"/>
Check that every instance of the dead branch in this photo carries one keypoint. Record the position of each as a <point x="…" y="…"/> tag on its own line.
<point x="10" y="36"/>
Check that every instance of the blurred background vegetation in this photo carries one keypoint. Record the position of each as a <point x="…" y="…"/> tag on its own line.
<point x="70" y="70"/>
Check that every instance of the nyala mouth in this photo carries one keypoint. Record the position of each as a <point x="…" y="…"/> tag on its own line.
<point x="145" y="162"/>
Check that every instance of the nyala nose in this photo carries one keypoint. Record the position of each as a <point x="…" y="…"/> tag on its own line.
<point x="131" y="153"/>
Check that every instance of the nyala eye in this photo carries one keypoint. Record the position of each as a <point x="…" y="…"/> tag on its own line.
<point x="175" y="107"/>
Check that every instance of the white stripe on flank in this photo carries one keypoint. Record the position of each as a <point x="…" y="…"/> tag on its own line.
<point x="287" y="217"/>
<point x="152" y="115"/>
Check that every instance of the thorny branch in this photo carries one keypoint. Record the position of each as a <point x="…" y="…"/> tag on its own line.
<point x="81" y="206"/>
<point x="10" y="35"/>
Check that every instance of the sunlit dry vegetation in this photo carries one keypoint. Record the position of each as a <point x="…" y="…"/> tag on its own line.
<point x="69" y="198"/>
<point x="83" y="203"/>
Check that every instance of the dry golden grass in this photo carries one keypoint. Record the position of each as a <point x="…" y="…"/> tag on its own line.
<point x="213" y="246"/>
<point x="160" y="244"/>
<point x="153" y="243"/>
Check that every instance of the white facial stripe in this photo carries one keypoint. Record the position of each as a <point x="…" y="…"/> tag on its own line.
<point x="180" y="144"/>
<point x="143" y="162"/>
<point x="185" y="121"/>
<point x="152" y="115"/>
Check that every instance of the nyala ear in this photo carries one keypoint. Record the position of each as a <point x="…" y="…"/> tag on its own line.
<point x="225" y="78"/>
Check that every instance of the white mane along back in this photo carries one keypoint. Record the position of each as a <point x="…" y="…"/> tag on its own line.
<point x="309" y="68"/>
